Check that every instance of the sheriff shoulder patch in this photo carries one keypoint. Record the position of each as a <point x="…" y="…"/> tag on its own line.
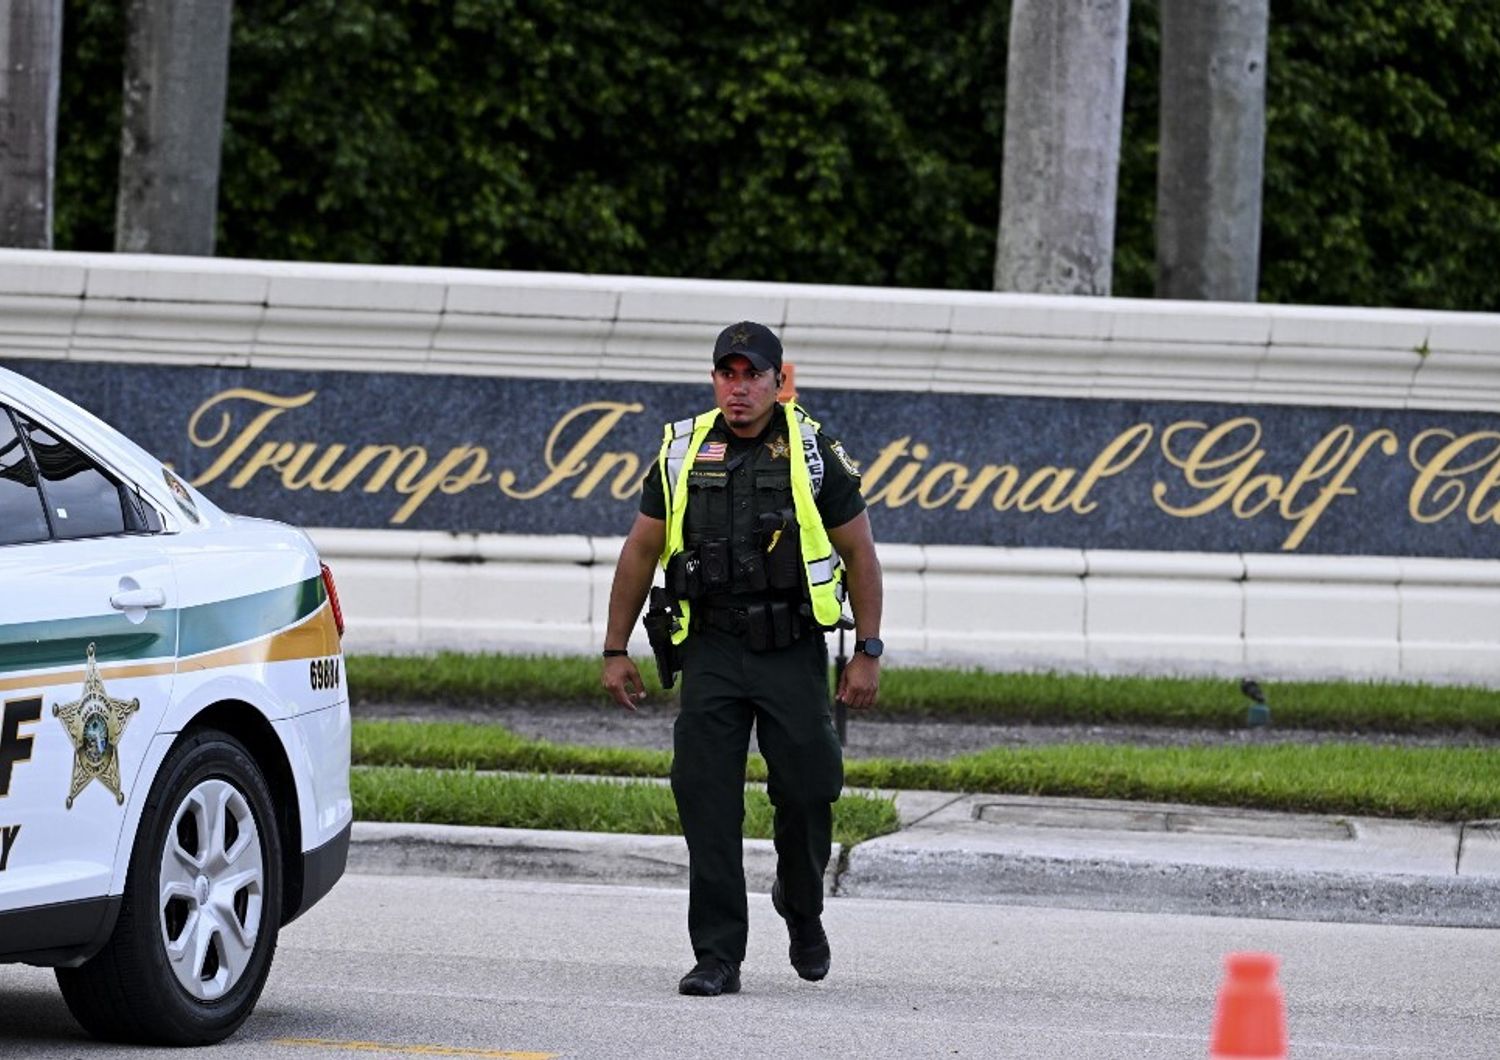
<point x="844" y="458"/>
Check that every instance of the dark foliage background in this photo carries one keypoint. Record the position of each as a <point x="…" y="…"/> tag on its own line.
<point x="854" y="142"/>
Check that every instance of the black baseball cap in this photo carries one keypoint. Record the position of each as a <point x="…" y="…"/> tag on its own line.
<point x="756" y="343"/>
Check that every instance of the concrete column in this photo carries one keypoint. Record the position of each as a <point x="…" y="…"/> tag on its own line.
<point x="30" y="55"/>
<point x="1213" y="138"/>
<point x="1064" y="100"/>
<point x="176" y="71"/>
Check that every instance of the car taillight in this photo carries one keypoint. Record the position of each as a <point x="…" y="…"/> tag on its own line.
<point x="333" y="598"/>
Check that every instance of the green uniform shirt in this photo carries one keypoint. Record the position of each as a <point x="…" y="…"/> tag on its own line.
<point x="838" y="501"/>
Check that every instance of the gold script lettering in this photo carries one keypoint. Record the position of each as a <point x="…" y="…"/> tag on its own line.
<point x="1445" y="468"/>
<point x="1224" y="468"/>
<point x="445" y="475"/>
<point x="1338" y="455"/>
<point x="574" y="461"/>
<point x="1113" y="459"/>
<point x="251" y="431"/>
<point x="898" y="492"/>
<point x="1201" y="461"/>
<point x="404" y="467"/>
<point x="1047" y="489"/>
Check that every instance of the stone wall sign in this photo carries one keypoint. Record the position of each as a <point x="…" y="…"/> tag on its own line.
<point x="550" y="456"/>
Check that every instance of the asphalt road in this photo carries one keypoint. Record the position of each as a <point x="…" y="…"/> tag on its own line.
<point x="423" y="966"/>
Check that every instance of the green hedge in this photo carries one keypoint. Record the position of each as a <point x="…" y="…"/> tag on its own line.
<point x="830" y="143"/>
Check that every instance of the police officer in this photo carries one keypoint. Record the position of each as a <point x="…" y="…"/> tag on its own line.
<point x="757" y="520"/>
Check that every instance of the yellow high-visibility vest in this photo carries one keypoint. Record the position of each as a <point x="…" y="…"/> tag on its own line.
<point x="823" y="570"/>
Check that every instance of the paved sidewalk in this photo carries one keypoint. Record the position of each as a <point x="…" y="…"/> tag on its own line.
<point x="1070" y="853"/>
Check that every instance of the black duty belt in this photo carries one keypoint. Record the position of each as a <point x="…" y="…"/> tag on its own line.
<point x="764" y="625"/>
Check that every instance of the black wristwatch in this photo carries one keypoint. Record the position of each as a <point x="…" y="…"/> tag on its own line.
<point x="874" y="647"/>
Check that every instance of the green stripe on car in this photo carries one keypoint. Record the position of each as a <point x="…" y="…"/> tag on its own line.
<point x="202" y="628"/>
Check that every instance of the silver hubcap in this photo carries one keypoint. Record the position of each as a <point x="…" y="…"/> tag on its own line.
<point x="212" y="882"/>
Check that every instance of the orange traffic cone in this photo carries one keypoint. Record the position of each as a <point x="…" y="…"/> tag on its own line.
<point x="1250" y="1023"/>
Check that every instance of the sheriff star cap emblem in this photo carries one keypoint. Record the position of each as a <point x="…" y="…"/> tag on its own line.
<point x="756" y="343"/>
<point x="95" y="722"/>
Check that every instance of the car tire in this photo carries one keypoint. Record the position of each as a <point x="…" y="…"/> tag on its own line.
<point x="201" y="911"/>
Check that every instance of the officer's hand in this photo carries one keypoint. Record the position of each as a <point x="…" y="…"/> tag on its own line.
<point x="860" y="684"/>
<point x="623" y="681"/>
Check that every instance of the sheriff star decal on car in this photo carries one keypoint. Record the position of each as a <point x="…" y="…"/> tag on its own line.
<point x="94" y="722"/>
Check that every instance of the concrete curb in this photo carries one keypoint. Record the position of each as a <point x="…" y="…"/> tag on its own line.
<point x="1158" y="887"/>
<point x="529" y="854"/>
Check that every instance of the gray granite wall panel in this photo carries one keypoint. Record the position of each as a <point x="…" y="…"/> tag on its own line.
<point x="551" y="456"/>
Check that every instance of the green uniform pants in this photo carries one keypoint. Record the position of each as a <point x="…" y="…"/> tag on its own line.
<point x="784" y="693"/>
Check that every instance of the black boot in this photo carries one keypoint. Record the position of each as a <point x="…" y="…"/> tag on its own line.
<point x="809" y="945"/>
<point x="711" y="977"/>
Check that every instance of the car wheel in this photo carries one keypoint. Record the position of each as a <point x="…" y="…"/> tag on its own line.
<point x="201" y="910"/>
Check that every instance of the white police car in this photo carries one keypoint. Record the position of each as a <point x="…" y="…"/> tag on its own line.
<point x="174" y="730"/>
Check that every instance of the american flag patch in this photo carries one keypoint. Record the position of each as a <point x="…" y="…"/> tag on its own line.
<point x="712" y="451"/>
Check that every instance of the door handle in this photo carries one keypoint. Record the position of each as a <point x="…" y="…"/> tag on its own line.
<point x="127" y="599"/>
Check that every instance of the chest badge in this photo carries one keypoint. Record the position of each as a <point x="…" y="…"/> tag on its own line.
<point x="779" y="449"/>
<point x="94" y="722"/>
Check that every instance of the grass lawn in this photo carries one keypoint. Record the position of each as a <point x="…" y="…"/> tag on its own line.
<point x="454" y="796"/>
<point x="414" y="771"/>
<point x="977" y="694"/>
<point x="1425" y="783"/>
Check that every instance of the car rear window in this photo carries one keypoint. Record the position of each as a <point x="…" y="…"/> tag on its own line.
<point x="81" y="499"/>
<point x="21" y="515"/>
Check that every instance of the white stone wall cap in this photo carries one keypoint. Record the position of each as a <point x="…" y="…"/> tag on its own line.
<point x="866" y="337"/>
<point x="25" y="317"/>
<point x="1457" y="399"/>
<point x="1339" y="369"/>
<point x="565" y="301"/>
<point x="910" y="351"/>
<point x="1324" y="392"/>
<point x="1449" y="375"/>
<point x="180" y="280"/>
<point x="706" y="311"/>
<point x="1430" y="571"/>
<point x="343" y="542"/>
<point x="1148" y="356"/>
<point x="1375" y="570"/>
<point x="1168" y="322"/>
<point x="337" y="326"/>
<point x="1465" y="332"/>
<point x="446" y="546"/>
<point x="535" y="548"/>
<point x="1401" y="329"/>
<point x="104" y="324"/>
<point x="1008" y="354"/>
<point x="969" y="559"/>
<point x="897" y="557"/>
<point x="1008" y="316"/>
<point x="1199" y="566"/>
<point x="914" y="313"/>
<point x="34" y="274"/>
<point x="380" y="292"/>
